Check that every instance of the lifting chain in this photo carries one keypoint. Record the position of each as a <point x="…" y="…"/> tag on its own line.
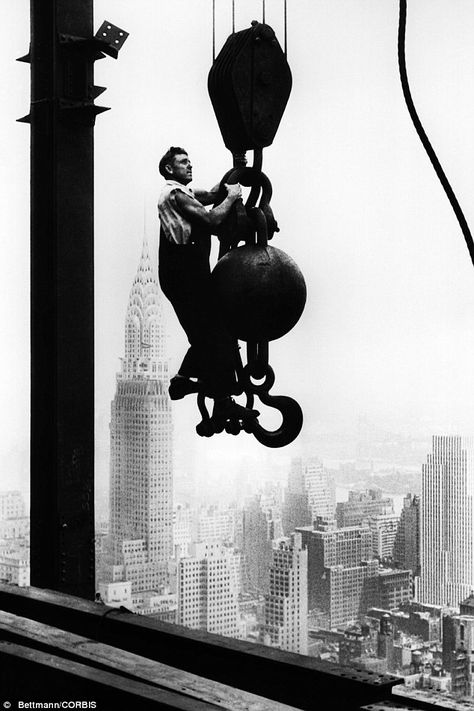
<point x="254" y="225"/>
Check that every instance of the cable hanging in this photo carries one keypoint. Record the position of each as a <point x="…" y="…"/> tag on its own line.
<point x="422" y="134"/>
<point x="213" y="30"/>
<point x="285" y="16"/>
<point x="233" y="16"/>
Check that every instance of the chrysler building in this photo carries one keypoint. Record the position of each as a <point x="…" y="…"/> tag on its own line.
<point x="141" y="477"/>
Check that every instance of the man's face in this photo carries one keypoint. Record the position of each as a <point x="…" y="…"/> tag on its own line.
<point x="180" y="169"/>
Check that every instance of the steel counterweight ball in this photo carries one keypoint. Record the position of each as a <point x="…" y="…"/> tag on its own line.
<point x="261" y="291"/>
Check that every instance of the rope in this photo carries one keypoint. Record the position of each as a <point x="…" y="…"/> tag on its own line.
<point x="263" y="11"/>
<point x="421" y="132"/>
<point x="213" y="30"/>
<point x="233" y="16"/>
<point x="285" y="14"/>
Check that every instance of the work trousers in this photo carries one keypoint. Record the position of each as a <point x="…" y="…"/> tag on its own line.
<point x="185" y="279"/>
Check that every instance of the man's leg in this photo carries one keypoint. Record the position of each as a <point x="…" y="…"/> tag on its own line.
<point x="185" y="280"/>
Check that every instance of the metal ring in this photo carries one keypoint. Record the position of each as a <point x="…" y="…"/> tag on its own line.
<point x="259" y="388"/>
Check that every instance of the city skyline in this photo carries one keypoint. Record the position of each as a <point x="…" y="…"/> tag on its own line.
<point x="387" y="328"/>
<point x="355" y="543"/>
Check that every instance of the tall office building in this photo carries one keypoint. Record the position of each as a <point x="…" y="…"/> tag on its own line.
<point x="141" y="441"/>
<point x="256" y="547"/>
<point x="286" y="604"/>
<point x="447" y="522"/>
<point x="340" y="571"/>
<point x="208" y="589"/>
<point x="311" y="492"/>
<point x="406" y="550"/>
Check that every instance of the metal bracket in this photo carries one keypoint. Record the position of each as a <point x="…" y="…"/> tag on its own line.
<point x="112" y="36"/>
<point x="76" y="103"/>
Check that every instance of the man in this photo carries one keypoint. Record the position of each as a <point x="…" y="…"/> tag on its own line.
<point x="185" y="279"/>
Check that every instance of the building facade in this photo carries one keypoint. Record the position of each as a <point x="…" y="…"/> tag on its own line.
<point x="311" y="492"/>
<point x="12" y="505"/>
<point x="256" y="547"/>
<point x="384" y="529"/>
<point x="361" y="506"/>
<point x="286" y="604"/>
<point x="341" y="568"/>
<point x="15" y="567"/>
<point x="392" y="588"/>
<point x="141" y="501"/>
<point x="208" y="589"/>
<point x="407" y="542"/>
<point x="447" y="522"/>
<point x="458" y="652"/>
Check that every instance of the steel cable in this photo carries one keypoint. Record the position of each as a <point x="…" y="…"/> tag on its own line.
<point x="422" y="134"/>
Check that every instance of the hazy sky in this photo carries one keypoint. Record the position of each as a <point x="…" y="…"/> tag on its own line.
<point x="388" y="327"/>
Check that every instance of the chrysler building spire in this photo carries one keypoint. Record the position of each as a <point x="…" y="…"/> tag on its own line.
<point x="145" y="339"/>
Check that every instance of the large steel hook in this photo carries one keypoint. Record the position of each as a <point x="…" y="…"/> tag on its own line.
<point x="291" y="412"/>
<point x="292" y="421"/>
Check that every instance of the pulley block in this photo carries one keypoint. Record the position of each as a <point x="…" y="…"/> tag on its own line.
<point x="249" y="85"/>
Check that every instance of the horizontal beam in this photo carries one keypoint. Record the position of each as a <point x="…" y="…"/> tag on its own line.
<point x="272" y="673"/>
<point x="74" y="647"/>
<point x="31" y="675"/>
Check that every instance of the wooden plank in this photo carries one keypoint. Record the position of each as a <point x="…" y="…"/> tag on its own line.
<point x="46" y="637"/>
<point x="29" y="674"/>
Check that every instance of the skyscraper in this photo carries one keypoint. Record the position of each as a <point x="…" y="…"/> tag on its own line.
<point x="311" y="492"/>
<point x="407" y="541"/>
<point x="286" y="604"/>
<point x="141" y="441"/>
<point x="256" y="547"/>
<point x="340" y="570"/>
<point x="447" y="522"/>
<point x="208" y="588"/>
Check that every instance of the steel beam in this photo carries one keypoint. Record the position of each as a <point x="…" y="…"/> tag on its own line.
<point x="282" y="676"/>
<point x="62" y="296"/>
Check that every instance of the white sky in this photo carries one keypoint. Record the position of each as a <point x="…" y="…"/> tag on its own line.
<point x="388" y="328"/>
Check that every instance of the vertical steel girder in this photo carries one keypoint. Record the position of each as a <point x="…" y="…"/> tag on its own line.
<point x="62" y="298"/>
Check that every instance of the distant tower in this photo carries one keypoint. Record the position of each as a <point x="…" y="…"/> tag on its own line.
<point x="447" y="522"/>
<point x="286" y="604"/>
<point x="407" y="540"/>
<point x="141" y="506"/>
<point x="256" y="547"/>
<point x="311" y="492"/>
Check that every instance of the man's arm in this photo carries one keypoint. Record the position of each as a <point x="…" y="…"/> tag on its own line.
<point x="195" y="213"/>
<point x="207" y="197"/>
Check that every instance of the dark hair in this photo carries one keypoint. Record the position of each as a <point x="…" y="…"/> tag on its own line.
<point x="168" y="157"/>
